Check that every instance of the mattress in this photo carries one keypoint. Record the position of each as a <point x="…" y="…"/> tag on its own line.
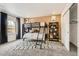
<point x="33" y="36"/>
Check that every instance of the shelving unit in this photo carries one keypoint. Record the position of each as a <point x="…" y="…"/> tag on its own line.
<point x="53" y="31"/>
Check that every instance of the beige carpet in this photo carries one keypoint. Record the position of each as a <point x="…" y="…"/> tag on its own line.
<point x="20" y="48"/>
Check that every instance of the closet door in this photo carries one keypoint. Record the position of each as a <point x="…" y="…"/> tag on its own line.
<point x="65" y="29"/>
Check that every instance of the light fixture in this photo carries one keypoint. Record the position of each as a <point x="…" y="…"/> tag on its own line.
<point x="53" y="18"/>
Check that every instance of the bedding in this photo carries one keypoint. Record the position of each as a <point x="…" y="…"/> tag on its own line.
<point x="35" y="31"/>
<point x="33" y="36"/>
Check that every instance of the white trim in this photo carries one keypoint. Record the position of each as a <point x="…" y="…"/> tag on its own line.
<point x="78" y="31"/>
<point x="66" y="8"/>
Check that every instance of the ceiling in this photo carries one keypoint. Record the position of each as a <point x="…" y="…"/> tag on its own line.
<point x="33" y="9"/>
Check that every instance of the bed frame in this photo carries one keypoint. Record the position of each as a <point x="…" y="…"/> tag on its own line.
<point x="30" y="26"/>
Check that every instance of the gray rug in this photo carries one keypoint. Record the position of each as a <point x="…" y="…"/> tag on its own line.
<point x="20" y="48"/>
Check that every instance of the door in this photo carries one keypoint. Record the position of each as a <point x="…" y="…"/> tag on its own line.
<point x="65" y="30"/>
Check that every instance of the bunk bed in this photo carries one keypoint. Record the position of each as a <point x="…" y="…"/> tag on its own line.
<point x="34" y="33"/>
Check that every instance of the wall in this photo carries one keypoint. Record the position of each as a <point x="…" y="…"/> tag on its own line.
<point x="58" y="19"/>
<point x="11" y="29"/>
<point x="41" y="19"/>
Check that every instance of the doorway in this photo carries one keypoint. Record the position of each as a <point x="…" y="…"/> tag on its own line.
<point x="73" y="28"/>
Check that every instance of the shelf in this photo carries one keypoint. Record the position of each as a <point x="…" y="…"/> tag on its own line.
<point x="54" y="31"/>
<point x="73" y="22"/>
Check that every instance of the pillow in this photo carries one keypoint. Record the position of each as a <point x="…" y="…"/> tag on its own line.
<point x="35" y="30"/>
<point x="30" y="31"/>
